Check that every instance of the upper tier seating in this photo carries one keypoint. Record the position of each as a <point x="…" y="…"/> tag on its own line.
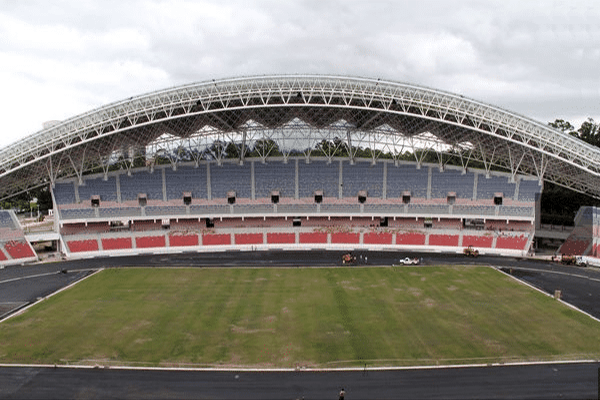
<point x="64" y="193"/>
<point x="106" y="189"/>
<point x="157" y="211"/>
<point x="386" y="209"/>
<point x="428" y="209"/>
<point x="297" y="208"/>
<point x="210" y="209"/>
<point x="473" y="210"/>
<point x="275" y="175"/>
<point x="230" y="177"/>
<point x="253" y="209"/>
<point x="186" y="179"/>
<point x="487" y="187"/>
<point x="318" y="175"/>
<point x="78" y="213"/>
<point x="529" y="190"/>
<point x="6" y="220"/>
<point x="116" y="212"/>
<point x="451" y="180"/>
<point x="362" y="176"/>
<point x="516" y="211"/>
<point x="406" y="177"/>
<point x="340" y="208"/>
<point x="142" y="182"/>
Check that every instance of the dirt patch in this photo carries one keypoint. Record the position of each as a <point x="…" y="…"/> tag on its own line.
<point x="429" y="303"/>
<point x="142" y="340"/>
<point x="241" y="329"/>
<point x="270" y="318"/>
<point x="452" y="288"/>
<point x="495" y="346"/>
<point x="415" y="291"/>
<point x="135" y="327"/>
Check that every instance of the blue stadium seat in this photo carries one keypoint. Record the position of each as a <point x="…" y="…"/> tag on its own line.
<point x="451" y="180"/>
<point x="486" y="187"/>
<point x="107" y="190"/>
<point x="230" y="176"/>
<point x="64" y="193"/>
<point x="406" y="177"/>
<point x="77" y="213"/>
<point x="141" y="182"/>
<point x="318" y="175"/>
<point x="362" y="176"/>
<point x="529" y="190"/>
<point x="275" y="176"/>
<point x="186" y="179"/>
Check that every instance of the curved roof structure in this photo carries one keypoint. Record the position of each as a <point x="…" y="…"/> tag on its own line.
<point x="296" y="113"/>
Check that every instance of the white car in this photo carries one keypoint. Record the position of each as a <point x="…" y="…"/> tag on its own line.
<point x="409" y="261"/>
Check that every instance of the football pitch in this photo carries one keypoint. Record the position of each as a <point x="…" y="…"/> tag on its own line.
<point x="298" y="317"/>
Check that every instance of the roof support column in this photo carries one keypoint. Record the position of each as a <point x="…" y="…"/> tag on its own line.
<point x="349" y="143"/>
<point x="243" y="149"/>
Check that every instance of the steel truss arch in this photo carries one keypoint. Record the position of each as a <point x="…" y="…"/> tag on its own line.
<point x="299" y="110"/>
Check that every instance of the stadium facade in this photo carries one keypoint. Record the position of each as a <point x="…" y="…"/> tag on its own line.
<point x="293" y="162"/>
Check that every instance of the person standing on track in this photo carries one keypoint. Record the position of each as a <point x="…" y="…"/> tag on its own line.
<point x="342" y="394"/>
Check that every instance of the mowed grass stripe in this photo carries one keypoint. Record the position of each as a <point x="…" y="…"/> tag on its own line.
<point x="307" y="316"/>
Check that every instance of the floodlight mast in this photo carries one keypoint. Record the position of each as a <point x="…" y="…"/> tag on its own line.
<point x="381" y="115"/>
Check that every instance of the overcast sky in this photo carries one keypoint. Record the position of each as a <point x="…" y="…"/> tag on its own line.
<point x="62" y="58"/>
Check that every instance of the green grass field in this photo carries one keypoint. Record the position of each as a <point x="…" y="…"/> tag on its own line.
<point x="312" y="317"/>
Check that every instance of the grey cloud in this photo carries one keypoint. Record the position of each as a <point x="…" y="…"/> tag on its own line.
<point x="533" y="57"/>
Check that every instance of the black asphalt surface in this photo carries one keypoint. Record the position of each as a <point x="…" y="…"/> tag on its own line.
<point x="556" y="381"/>
<point x="579" y="286"/>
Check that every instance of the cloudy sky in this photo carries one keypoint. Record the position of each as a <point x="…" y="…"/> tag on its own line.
<point x="62" y="58"/>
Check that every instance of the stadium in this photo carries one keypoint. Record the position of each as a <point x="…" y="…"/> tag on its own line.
<point x="294" y="162"/>
<point x="292" y="170"/>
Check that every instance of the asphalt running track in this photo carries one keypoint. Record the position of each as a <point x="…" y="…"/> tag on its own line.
<point x="556" y="381"/>
<point x="579" y="286"/>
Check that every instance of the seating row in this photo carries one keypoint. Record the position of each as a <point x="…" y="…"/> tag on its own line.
<point x="254" y="179"/>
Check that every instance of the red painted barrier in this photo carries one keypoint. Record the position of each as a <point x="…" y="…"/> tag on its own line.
<point x="216" y="239"/>
<point x="410" y="238"/>
<point x="345" y="237"/>
<point x="477" y="241"/>
<point x="144" y="242"/>
<point x="76" y="246"/>
<point x="183" y="240"/>
<point x="313" y="237"/>
<point x="377" y="238"/>
<point x="249" y="238"/>
<point x="443" y="240"/>
<point x="116" y="243"/>
<point x="280" y="238"/>
<point x="2" y="256"/>
<point x="511" y="242"/>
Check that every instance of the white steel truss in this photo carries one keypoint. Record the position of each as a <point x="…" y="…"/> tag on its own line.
<point x="212" y="120"/>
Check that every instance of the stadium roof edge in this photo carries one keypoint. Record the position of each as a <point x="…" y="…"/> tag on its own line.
<point x="556" y="156"/>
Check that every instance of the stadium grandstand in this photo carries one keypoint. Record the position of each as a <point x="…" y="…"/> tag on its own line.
<point x="294" y="162"/>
